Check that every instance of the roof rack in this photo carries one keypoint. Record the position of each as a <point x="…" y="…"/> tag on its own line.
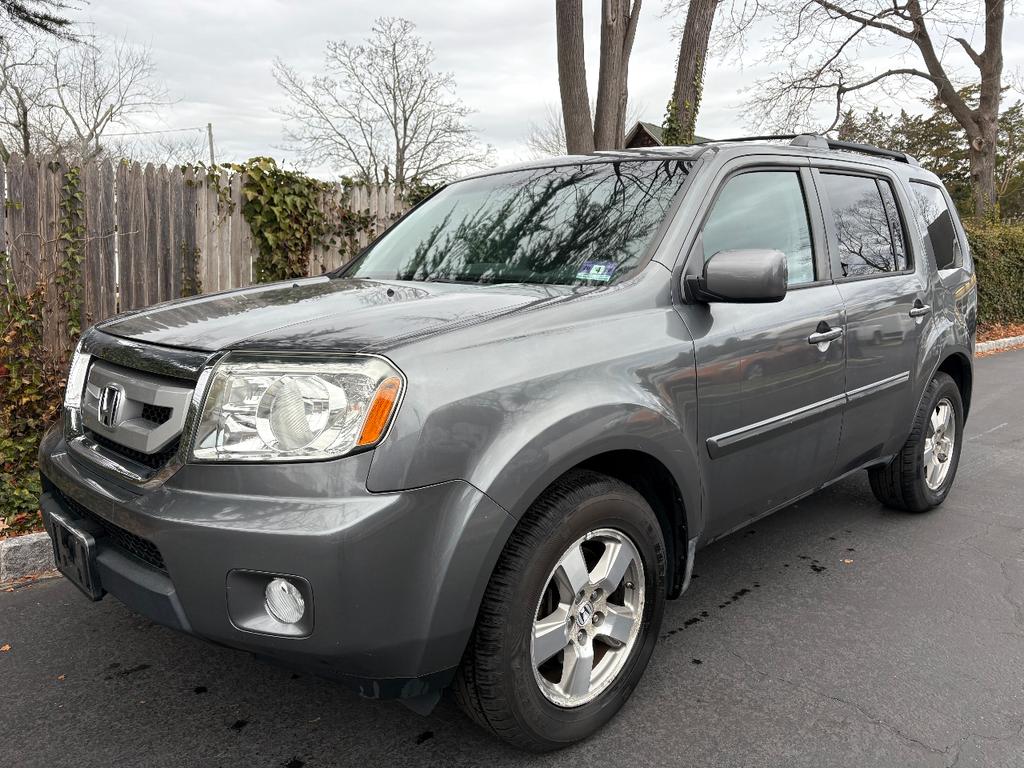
<point x="817" y="141"/>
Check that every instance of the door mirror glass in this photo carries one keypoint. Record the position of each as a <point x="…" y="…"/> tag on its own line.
<point x="752" y="275"/>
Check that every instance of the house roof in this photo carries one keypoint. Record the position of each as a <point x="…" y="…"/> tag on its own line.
<point x="655" y="132"/>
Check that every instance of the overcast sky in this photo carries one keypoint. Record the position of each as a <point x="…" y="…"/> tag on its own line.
<point x="215" y="57"/>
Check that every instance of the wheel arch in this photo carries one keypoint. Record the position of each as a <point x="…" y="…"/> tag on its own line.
<point x="958" y="366"/>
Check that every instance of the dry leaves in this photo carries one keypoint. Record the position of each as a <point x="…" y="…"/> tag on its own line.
<point x="5" y="647"/>
<point x="847" y="562"/>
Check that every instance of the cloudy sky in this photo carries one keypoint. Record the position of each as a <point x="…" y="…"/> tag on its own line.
<point x="215" y="57"/>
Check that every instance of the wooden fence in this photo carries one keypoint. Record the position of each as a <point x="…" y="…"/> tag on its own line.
<point x="149" y="233"/>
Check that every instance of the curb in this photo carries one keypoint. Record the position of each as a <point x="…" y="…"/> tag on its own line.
<point x="26" y="555"/>
<point x="991" y="346"/>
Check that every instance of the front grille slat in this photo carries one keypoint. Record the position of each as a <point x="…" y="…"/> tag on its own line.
<point x="158" y="414"/>
<point x="126" y="541"/>
<point x="152" y="460"/>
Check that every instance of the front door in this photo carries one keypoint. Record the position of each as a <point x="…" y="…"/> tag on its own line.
<point x="770" y="376"/>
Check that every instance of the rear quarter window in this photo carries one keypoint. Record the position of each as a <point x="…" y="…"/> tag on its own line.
<point x="936" y="221"/>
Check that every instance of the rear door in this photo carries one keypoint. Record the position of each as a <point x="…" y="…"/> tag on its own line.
<point x="887" y="307"/>
<point x="770" y="399"/>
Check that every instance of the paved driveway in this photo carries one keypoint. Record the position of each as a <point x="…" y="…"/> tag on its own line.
<point x="834" y="633"/>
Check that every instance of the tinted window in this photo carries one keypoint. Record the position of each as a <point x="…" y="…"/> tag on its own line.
<point x="868" y="231"/>
<point x="576" y="224"/>
<point x="896" y="229"/>
<point x="763" y="209"/>
<point x="936" y="223"/>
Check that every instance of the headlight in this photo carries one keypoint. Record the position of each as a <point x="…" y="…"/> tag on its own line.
<point x="262" y="407"/>
<point x="73" y="392"/>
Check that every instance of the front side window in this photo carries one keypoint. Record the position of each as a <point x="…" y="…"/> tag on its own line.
<point x="936" y="223"/>
<point x="763" y="210"/>
<point x="867" y="227"/>
<point x="587" y="224"/>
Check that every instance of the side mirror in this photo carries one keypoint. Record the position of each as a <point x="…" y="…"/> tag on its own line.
<point x="753" y="275"/>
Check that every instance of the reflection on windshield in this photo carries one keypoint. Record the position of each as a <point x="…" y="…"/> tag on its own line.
<point x="579" y="224"/>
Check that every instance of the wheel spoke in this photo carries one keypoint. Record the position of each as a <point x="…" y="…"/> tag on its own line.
<point x="577" y="669"/>
<point x="937" y="420"/>
<point x="617" y="624"/>
<point x="550" y="634"/>
<point x="572" y="575"/>
<point x="612" y="566"/>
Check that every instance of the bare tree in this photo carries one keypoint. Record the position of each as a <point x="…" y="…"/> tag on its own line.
<point x="618" y="30"/>
<point x="21" y="92"/>
<point x="93" y="87"/>
<point x="694" y="41"/>
<point x="827" y="39"/>
<point x="546" y="137"/>
<point x="381" y="110"/>
<point x="175" y="147"/>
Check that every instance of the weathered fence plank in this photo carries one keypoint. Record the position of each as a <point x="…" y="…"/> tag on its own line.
<point x="149" y="234"/>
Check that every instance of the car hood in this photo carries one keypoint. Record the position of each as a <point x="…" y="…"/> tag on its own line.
<point x="323" y="314"/>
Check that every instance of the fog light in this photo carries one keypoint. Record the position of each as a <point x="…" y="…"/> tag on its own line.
<point x="284" y="602"/>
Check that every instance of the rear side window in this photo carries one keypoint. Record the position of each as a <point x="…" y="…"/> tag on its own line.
<point x="936" y="223"/>
<point x="763" y="209"/>
<point x="868" y="229"/>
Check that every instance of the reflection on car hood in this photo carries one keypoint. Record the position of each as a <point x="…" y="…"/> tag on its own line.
<point x="321" y="314"/>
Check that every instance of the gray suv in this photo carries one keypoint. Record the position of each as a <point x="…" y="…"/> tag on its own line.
<point x="485" y="453"/>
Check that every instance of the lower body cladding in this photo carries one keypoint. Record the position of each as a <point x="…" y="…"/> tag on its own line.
<point x="377" y="590"/>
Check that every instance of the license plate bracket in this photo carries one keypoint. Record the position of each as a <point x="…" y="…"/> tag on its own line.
<point x="74" y="552"/>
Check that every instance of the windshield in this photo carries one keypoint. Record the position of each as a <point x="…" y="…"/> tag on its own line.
<point x="583" y="224"/>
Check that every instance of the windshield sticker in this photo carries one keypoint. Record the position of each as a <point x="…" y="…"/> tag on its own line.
<point x="596" y="270"/>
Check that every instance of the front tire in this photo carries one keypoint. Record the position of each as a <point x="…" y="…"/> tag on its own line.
<point x="920" y="476"/>
<point x="570" y="616"/>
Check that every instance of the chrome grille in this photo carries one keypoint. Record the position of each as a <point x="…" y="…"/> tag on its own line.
<point x="134" y="415"/>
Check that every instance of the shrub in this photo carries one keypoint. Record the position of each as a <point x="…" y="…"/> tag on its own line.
<point x="31" y="393"/>
<point x="998" y="251"/>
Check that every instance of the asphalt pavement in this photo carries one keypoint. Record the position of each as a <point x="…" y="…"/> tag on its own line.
<point x="833" y="633"/>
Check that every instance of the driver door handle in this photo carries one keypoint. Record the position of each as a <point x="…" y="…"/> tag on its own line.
<point x="919" y="309"/>
<point x="824" y="337"/>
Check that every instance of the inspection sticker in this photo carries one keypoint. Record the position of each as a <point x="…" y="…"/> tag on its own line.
<point x="596" y="270"/>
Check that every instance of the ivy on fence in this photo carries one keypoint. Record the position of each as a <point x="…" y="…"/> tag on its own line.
<point x="32" y="378"/>
<point x="289" y="213"/>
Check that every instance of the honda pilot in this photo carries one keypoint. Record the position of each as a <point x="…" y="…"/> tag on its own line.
<point x="485" y="453"/>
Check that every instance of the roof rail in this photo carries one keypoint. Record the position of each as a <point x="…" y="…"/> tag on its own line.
<point x="817" y="141"/>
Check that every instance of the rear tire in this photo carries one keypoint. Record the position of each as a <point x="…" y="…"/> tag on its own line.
<point x="921" y="474"/>
<point x="543" y="706"/>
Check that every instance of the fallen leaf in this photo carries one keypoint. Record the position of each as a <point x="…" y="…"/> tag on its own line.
<point x="5" y="647"/>
<point x="848" y="562"/>
<point x="60" y="677"/>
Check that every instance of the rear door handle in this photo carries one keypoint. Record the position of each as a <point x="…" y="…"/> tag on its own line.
<point x="919" y="309"/>
<point x="824" y="337"/>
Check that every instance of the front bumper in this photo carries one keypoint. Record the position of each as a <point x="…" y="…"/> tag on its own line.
<point x="396" y="578"/>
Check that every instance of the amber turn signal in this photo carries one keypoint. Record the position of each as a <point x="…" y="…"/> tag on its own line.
<point x="384" y="400"/>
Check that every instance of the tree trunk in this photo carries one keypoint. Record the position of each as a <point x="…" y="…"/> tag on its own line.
<point x="693" y="54"/>
<point x="627" y="50"/>
<point x="982" y="156"/>
<point x="983" y="145"/>
<point x="618" y="29"/>
<point x="572" y="77"/>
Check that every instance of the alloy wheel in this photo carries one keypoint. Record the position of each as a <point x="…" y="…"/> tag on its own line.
<point x="938" y="444"/>
<point x="588" y="617"/>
